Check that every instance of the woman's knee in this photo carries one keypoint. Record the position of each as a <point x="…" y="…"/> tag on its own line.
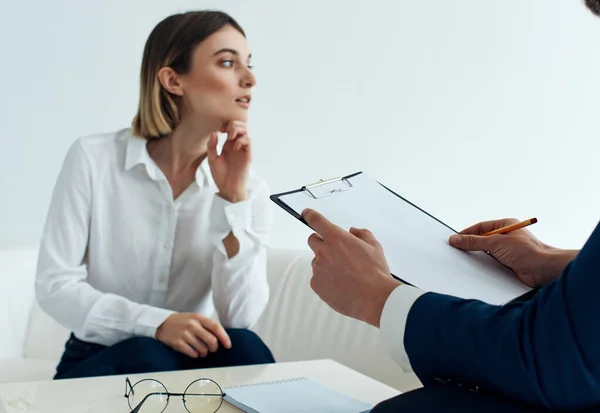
<point x="144" y="354"/>
<point x="144" y="345"/>
<point x="248" y="348"/>
<point x="242" y="334"/>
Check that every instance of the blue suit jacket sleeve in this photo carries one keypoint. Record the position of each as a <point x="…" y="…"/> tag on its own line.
<point x="544" y="351"/>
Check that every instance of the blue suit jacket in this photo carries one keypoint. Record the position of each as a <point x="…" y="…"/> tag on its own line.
<point x="544" y="351"/>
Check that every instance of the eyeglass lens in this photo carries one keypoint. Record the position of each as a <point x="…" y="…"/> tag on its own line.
<point x="203" y="396"/>
<point x="152" y="393"/>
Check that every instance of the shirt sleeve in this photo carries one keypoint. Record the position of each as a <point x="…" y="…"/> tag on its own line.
<point x="393" y="322"/>
<point x="61" y="280"/>
<point x="239" y="284"/>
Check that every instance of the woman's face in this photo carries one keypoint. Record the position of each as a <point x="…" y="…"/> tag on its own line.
<point x="219" y="84"/>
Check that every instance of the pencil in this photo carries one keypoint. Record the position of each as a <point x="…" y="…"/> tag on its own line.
<point x="513" y="227"/>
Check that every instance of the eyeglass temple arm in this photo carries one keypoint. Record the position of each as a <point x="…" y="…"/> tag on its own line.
<point x="129" y="387"/>
<point x="139" y="406"/>
<point x="199" y="394"/>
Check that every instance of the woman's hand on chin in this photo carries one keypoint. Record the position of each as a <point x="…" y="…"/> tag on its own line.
<point x="230" y="169"/>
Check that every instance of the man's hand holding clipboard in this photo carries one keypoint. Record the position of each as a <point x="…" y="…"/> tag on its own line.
<point x="350" y="272"/>
<point x="412" y="244"/>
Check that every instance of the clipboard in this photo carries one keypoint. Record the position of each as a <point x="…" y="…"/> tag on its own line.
<point x="484" y="277"/>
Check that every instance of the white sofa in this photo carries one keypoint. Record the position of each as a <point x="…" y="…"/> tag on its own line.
<point x="296" y="325"/>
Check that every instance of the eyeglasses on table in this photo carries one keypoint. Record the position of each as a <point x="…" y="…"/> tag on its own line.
<point x="151" y="396"/>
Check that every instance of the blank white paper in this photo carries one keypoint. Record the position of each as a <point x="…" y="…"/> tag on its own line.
<point x="415" y="244"/>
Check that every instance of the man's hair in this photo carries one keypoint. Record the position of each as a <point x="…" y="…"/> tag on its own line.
<point x="593" y="5"/>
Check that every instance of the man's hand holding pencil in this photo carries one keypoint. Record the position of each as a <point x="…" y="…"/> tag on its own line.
<point x="533" y="262"/>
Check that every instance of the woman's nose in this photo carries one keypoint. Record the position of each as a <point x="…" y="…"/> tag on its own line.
<point x="248" y="79"/>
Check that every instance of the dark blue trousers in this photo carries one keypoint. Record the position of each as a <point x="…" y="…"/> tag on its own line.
<point x="146" y="355"/>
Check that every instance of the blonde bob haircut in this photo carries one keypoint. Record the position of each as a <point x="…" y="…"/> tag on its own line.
<point x="171" y="44"/>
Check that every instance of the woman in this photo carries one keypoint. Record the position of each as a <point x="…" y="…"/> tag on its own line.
<point x="152" y="229"/>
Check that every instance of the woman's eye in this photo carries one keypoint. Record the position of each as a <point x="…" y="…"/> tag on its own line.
<point x="227" y="63"/>
<point x="250" y="67"/>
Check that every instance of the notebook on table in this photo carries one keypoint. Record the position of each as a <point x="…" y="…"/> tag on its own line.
<point x="301" y="395"/>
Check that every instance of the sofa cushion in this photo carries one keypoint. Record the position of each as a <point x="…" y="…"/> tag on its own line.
<point x="294" y="310"/>
<point x="45" y="338"/>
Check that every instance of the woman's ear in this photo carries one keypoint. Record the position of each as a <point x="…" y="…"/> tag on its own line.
<point x="169" y="79"/>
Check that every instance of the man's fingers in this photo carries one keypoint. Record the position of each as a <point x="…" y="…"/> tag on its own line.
<point x="315" y="242"/>
<point x="365" y="235"/>
<point x="472" y="242"/>
<point x="314" y="285"/>
<point x="319" y="223"/>
<point x="483" y="227"/>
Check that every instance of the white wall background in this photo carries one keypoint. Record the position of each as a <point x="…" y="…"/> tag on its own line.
<point x="473" y="109"/>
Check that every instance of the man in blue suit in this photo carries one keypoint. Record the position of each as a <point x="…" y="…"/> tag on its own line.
<point x="543" y="353"/>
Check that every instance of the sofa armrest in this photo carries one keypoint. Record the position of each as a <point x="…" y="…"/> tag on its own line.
<point x="17" y="275"/>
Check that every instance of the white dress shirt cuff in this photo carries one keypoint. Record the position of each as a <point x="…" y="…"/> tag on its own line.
<point x="393" y="322"/>
<point x="228" y="217"/>
<point x="149" y="320"/>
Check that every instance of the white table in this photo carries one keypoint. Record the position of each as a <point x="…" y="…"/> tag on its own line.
<point x="106" y="394"/>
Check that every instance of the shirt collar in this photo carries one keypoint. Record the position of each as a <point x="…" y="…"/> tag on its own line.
<point x="137" y="153"/>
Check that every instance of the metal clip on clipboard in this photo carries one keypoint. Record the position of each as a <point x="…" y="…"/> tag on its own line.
<point x="308" y="188"/>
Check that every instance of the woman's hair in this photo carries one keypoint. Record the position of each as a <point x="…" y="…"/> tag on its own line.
<point x="594" y="5"/>
<point x="171" y="43"/>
